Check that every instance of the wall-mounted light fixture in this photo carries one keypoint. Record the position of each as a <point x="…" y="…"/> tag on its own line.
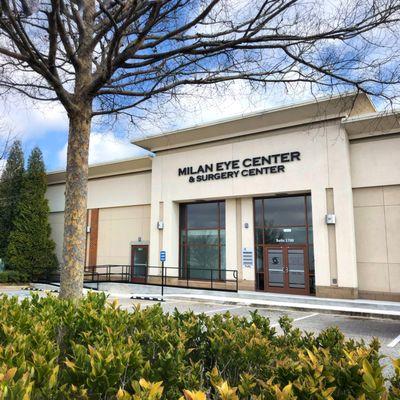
<point x="88" y="229"/>
<point x="246" y="225"/>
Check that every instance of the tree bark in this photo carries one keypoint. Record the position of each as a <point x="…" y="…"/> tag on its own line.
<point x="74" y="249"/>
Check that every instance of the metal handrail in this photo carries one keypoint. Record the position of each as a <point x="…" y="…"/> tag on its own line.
<point x="169" y="276"/>
<point x="172" y="276"/>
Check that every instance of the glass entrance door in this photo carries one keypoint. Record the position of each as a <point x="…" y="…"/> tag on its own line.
<point x="275" y="267"/>
<point x="296" y="264"/>
<point x="139" y="263"/>
<point x="283" y="233"/>
<point x="286" y="269"/>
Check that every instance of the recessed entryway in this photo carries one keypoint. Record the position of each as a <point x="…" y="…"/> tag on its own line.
<point x="284" y="244"/>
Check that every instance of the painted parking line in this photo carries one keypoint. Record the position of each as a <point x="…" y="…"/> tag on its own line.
<point x="297" y="319"/>
<point x="218" y="310"/>
<point x="394" y="342"/>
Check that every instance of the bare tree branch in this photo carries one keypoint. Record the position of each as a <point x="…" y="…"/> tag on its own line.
<point x="116" y="57"/>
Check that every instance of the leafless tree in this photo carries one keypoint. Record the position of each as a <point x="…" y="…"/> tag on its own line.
<point x="113" y="57"/>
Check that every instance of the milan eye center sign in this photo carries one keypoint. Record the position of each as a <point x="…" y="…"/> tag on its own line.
<point x="262" y="165"/>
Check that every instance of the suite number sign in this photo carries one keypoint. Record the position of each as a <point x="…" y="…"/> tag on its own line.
<point x="252" y="166"/>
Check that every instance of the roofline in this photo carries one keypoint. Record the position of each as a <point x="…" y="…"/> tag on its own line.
<point x="372" y="125"/>
<point x="120" y="160"/>
<point x="107" y="169"/>
<point x="238" y="117"/>
<point x="370" y="116"/>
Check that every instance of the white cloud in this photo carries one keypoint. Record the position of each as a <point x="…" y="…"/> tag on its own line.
<point x="204" y="104"/>
<point x="26" y="118"/>
<point x="199" y="105"/>
<point x="104" y="147"/>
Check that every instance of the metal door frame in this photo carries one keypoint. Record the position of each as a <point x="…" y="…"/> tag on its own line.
<point x="285" y="255"/>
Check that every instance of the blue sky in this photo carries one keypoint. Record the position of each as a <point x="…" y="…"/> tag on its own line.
<point x="45" y="124"/>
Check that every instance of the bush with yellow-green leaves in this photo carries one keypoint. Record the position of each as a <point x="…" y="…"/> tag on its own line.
<point x="55" y="349"/>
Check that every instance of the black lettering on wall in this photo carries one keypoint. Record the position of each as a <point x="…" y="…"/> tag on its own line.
<point x="295" y="155"/>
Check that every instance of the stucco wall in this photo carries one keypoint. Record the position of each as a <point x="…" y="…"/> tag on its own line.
<point x="377" y="222"/>
<point x="124" y="203"/>
<point x="118" y="228"/>
<point x="325" y="163"/>
<point x="375" y="162"/>
<point x="115" y="191"/>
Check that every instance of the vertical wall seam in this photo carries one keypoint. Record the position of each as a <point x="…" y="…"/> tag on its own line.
<point x="239" y="238"/>
<point x="386" y="239"/>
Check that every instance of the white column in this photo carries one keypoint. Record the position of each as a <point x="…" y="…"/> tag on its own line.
<point x="231" y="234"/>
<point x="171" y="235"/>
<point x="320" y="235"/>
<point x="154" y="235"/>
<point x="248" y="235"/>
<point x="340" y="177"/>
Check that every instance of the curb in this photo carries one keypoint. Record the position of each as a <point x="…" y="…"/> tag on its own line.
<point x="150" y="298"/>
<point x="352" y="312"/>
<point x="378" y="314"/>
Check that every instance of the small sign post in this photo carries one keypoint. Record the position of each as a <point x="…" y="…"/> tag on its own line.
<point x="163" y="257"/>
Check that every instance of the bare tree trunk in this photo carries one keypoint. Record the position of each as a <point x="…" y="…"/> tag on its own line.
<point x="74" y="250"/>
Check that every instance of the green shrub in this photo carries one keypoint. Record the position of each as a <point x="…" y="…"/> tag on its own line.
<point x="55" y="349"/>
<point x="11" y="276"/>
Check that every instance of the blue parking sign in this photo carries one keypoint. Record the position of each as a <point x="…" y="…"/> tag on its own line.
<point x="163" y="255"/>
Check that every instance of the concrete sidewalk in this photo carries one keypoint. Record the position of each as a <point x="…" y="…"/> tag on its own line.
<point x="361" y="308"/>
<point x="358" y="307"/>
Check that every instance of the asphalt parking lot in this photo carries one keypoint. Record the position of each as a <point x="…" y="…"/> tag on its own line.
<point x="386" y="330"/>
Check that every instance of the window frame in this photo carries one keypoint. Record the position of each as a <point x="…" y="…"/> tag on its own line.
<point x="183" y="244"/>
<point x="307" y="226"/>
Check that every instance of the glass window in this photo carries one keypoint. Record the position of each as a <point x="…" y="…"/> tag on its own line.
<point x="222" y="236"/>
<point x="310" y="235"/>
<point x="202" y="240"/>
<point x="259" y="236"/>
<point x="311" y="258"/>
<point x="260" y="259"/>
<point x="296" y="268"/>
<point x="258" y="212"/>
<point x="202" y="215"/>
<point x="284" y="211"/>
<point x="222" y="273"/>
<point x="222" y="214"/>
<point x="202" y="237"/>
<point x="276" y="270"/>
<point x="293" y="235"/>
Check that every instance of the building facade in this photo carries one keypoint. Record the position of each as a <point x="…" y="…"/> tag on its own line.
<point x="299" y="200"/>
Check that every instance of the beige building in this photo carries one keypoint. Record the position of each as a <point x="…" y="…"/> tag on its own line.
<point x="302" y="200"/>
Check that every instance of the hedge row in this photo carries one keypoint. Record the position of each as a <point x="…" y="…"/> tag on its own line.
<point x="53" y="349"/>
<point x="11" y="276"/>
